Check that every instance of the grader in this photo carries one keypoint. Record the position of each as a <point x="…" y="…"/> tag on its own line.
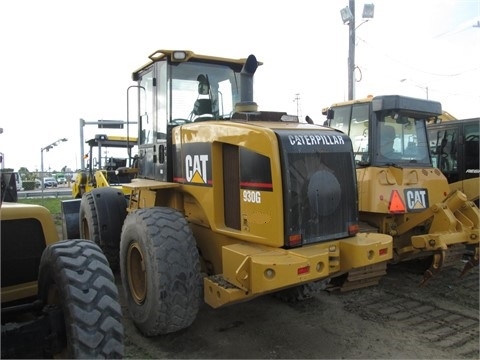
<point x="400" y="192"/>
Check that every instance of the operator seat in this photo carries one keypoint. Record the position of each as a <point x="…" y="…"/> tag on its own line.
<point x="388" y="133"/>
<point x="387" y="138"/>
<point x="202" y="107"/>
<point x="204" y="104"/>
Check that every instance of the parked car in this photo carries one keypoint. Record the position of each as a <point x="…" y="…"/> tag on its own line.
<point x="61" y="180"/>
<point x="18" y="180"/>
<point x="49" y="182"/>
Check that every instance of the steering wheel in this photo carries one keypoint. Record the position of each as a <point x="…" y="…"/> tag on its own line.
<point x="180" y="121"/>
<point x="471" y="138"/>
<point x="203" y="117"/>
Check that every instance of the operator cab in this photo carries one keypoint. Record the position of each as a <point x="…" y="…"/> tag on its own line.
<point x="181" y="87"/>
<point x="386" y="130"/>
<point x="178" y="87"/>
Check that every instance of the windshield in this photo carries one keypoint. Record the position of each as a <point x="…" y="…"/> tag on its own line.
<point x="200" y="89"/>
<point x="401" y="140"/>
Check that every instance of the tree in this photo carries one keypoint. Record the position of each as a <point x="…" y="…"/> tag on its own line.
<point x="25" y="174"/>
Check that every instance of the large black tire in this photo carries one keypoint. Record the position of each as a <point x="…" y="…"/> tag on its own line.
<point x="160" y="270"/>
<point x="102" y="212"/>
<point x="74" y="275"/>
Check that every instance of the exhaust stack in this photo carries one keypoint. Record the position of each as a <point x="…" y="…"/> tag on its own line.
<point x="246" y="103"/>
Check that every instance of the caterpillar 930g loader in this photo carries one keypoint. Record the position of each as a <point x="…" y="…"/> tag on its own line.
<point x="399" y="191"/>
<point x="229" y="202"/>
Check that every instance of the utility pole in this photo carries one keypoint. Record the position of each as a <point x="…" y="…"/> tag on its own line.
<point x="351" y="51"/>
<point x="297" y="100"/>
<point x="348" y="17"/>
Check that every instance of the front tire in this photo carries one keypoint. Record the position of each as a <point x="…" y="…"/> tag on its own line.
<point x="74" y="275"/>
<point x="160" y="269"/>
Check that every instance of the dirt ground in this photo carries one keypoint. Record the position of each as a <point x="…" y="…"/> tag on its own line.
<point x="396" y="319"/>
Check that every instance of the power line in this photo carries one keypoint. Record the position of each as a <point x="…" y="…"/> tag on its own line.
<point x="417" y="69"/>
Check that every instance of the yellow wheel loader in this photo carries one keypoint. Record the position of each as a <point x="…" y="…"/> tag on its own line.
<point x="399" y="191"/>
<point x="101" y="171"/>
<point x="229" y="202"/>
<point x="59" y="298"/>
<point x="105" y="170"/>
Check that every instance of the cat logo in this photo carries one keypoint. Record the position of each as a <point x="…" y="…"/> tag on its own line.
<point x="196" y="168"/>
<point x="416" y="199"/>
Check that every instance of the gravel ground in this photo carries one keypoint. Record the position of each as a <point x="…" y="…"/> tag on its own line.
<point x="396" y="319"/>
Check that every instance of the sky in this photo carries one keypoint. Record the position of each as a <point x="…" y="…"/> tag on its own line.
<point x="62" y="61"/>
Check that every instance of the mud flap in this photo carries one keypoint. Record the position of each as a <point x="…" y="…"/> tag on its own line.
<point x="111" y="208"/>
<point x="71" y="218"/>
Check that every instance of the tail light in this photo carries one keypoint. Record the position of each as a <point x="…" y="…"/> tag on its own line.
<point x="353" y="229"/>
<point x="295" y="240"/>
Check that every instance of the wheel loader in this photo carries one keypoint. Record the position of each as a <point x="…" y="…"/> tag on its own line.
<point x="400" y="192"/>
<point x="104" y="170"/>
<point x="101" y="171"/>
<point x="229" y="202"/>
<point x="59" y="298"/>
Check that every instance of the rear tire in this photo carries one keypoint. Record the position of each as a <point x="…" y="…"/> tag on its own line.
<point x="160" y="270"/>
<point x="75" y="276"/>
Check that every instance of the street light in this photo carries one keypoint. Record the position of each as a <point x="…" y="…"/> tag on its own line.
<point x="47" y="148"/>
<point x="2" y="155"/>
<point x="417" y="85"/>
<point x="348" y="18"/>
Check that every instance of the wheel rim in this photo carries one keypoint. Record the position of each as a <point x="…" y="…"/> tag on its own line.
<point x="136" y="274"/>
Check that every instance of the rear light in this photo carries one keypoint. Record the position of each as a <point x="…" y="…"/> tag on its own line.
<point x="353" y="229"/>
<point x="303" y="270"/>
<point x="295" y="240"/>
<point x="396" y="205"/>
<point x="383" y="251"/>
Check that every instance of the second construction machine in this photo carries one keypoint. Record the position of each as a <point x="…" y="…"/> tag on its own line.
<point x="454" y="146"/>
<point x="229" y="202"/>
<point x="101" y="170"/>
<point x="400" y="192"/>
